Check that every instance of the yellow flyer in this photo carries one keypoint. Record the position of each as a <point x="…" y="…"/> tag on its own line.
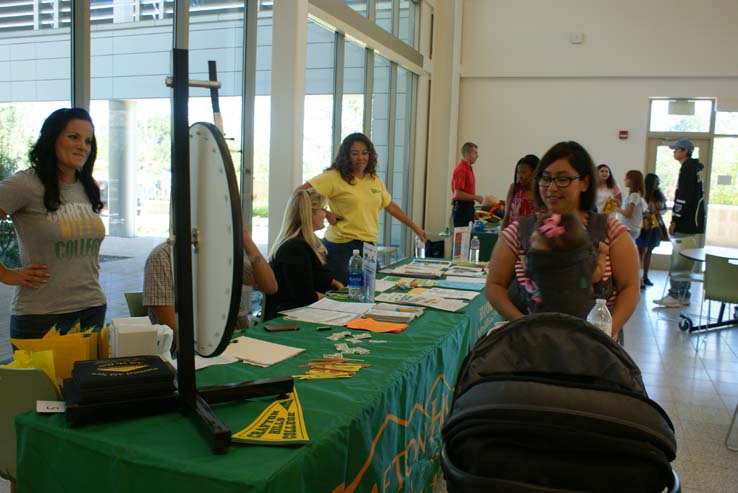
<point x="282" y="423"/>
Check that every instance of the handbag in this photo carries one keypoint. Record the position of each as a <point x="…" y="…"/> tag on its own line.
<point x="663" y="228"/>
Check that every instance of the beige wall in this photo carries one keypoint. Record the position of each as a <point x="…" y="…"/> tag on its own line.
<point x="522" y="86"/>
<point x="513" y="117"/>
<point x="622" y="38"/>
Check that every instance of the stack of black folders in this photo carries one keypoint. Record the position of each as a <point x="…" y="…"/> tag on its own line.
<point x="119" y="388"/>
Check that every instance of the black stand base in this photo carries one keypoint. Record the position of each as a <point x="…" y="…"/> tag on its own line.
<point x="219" y="433"/>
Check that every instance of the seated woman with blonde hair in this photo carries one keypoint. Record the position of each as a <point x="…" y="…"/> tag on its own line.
<point x="298" y="257"/>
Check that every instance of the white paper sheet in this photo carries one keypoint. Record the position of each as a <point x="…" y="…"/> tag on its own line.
<point x="341" y="306"/>
<point x="451" y="293"/>
<point x="467" y="279"/>
<point x="458" y="270"/>
<point x="260" y="353"/>
<point x="448" y="305"/>
<point x="325" y="317"/>
<point x="381" y="285"/>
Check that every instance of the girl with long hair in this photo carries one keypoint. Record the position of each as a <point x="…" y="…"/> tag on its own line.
<point x="650" y="236"/>
<point x="609" y="196"/>
<point x="355" y="195"/>
<point x="521" y="196"/>
<point x="631" y="213"/>
<point x="55" y="208"/>
<point x="298" y="258"/>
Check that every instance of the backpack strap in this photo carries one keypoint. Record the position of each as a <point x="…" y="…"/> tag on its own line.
<point x="597" y="228"/>
<point x="519" y="296"/>
<point x="526" y="225"/>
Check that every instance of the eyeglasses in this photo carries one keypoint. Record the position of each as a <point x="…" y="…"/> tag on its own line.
<point x="544" y="181"/>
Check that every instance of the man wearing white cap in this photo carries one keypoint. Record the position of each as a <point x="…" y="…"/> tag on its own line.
<point x="688" y="214"/>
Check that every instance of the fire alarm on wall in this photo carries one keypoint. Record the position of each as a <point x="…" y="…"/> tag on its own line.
<point x="623" y="135"/>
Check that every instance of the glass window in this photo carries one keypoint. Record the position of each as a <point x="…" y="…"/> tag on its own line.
<point x="722" y="209"/>
<point x="213" y="37"/>
<point x="35" y="79"/>
<point x="681" y="115"/>
<point x="726" y="123"/>
<point x="130" y="105"/>
<point x="380" y="125"/>
<point x="352" y="115"/>
<point x="319" y="88"/>
<point x="262" y="125"/>
<point x="359" y="6"/>
<point x="402" y="158"/>
<point x="384" y="14"/>
<point x="408" y="29"/>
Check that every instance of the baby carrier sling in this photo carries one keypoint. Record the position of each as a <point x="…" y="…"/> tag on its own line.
<point x="549" y="403"/>
<point x="568" y="284"/>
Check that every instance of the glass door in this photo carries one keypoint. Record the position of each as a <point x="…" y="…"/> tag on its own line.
<point x="660" y="160"/>
<point x="722" y="203"/>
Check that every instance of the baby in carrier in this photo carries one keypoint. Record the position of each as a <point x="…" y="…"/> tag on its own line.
<point x="562" y="266"/>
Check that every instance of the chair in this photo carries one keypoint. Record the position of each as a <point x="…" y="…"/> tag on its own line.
<point x="720" y="276"/>
<point x="21" y="388"/>
<point x="682" y="268"/>
<point x="135" y="304"/>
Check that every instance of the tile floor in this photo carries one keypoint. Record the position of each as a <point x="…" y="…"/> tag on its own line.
<point x="697" y="387"/>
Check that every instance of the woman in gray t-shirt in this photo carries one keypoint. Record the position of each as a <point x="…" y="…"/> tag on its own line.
<point x="55" y="208"/>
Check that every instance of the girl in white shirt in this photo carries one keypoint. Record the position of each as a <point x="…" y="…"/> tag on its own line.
<point x="631" y="214"/>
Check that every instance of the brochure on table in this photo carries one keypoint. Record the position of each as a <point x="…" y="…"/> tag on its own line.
<point x="444" y="293"/>
<point x="327" y="311"/>
<point x="418" y="268"/>
<point x="370" y="271"/>
<point x="446" y="304"/>
<point x="460" y="245"/>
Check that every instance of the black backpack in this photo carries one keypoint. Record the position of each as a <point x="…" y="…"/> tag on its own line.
<point x="549" y="403"/>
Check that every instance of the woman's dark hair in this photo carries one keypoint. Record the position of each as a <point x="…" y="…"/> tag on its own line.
<point x="610" y="182"/>
<point x="342" y="162"/>
<point x="635" y="178"/>
<point x="43" y="158"/>
<point x="653" y="192"/>
<point x="580" y="160"/>
<point x="529" y="160"/>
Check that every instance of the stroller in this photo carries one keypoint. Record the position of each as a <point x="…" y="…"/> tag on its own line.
<point x="549" y="403"/>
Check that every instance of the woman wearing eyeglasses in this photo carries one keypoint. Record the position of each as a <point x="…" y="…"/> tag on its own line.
<point x="565" y="182"/>
<point x="298" y="258"/>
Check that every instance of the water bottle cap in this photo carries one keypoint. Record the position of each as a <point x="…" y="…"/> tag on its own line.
<point x="356" y="251"/>
<point x="600" y="301"/>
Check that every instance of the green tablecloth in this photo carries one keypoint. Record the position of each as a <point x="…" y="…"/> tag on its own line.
<point x="377" y="431"/>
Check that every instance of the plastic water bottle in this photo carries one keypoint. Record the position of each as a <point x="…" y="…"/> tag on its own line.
<point x="419" y="248"/>
<point x="474" y="250"/>
<point x="356" y="277"/>
<point x="600" y="317"/>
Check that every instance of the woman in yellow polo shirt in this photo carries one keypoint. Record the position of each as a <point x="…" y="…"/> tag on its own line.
<point x="355" y="195"/>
